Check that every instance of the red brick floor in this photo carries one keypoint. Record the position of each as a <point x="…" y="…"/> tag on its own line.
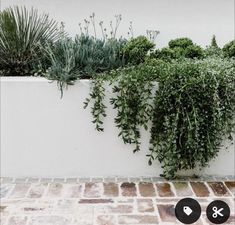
<point x="106" y="201"/>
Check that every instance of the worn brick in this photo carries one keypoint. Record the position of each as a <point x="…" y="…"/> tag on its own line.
<point x="17" y="220"/>
<point x="160" y="200"/>
<point x="5" y="189"/>
<point x="145" y="205"/>
<point x="65" y="206"/>
<point x="49" y="203"/>
<point x="7" y="180"/>
<point x="5" y="211"/>
<point x="128" y="189"/>
<point x="110" y="209"/>
<point x="73" y="191"/>
<point x="231" y="220"/>
<point x="35" y="209"/>
<point x="19" y="191"/>
<point x="125" y="200"/>
<point x="37" y="190"/>
<point x="3" y="219"/>
<point x="219" y="188"/>
<point x="111" y="189"/>
<point x="55" y="190"/>
<point x="182" y="189"/>
<point x="92" y="190"/>
<point x="95" y="201"/>
<point x="164" y="190"/>
<point x="66" y="203"/>
<point x="3" y="208"/>
<point x="137" y="219"/>
<point x="146" y="189"/>
<point x="17" y="201"/>
<point x="49" y="220"/>
<point x="105" y="220"/>
<point x="167" y="213"/>
<point x="84" y="215"/>
<point x="200" y="189"/>
<point x="231" y="186"/>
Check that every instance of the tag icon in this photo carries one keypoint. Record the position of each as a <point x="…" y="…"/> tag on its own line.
<point x="187" y="210"/>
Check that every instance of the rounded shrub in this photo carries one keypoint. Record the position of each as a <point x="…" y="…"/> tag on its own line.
<point x="165" y="54"/>
<point x="137" y="49"/>
<point x="180" y="42"/>
<point x="229" y="49"/>
<point x="193" y="51"/>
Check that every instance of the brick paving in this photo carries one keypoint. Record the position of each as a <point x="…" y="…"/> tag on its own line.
<point x="107" y="201"/>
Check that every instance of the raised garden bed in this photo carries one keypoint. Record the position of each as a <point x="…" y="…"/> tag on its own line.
<point x="44" y="135"/>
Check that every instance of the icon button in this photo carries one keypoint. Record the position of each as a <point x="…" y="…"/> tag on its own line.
<point x="187" y="211"/>
<point x="218" y="212"/>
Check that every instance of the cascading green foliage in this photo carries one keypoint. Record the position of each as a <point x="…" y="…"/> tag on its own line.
<point x="98" y="109"/>
<point x="194" y="111"/>
<point x="190" y="104"/>
<point x="133" y="97"/>
<point x="21" y="34"/>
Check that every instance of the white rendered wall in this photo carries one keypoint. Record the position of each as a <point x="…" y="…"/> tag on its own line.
<point x="197" y="19"/>
<point x="43" y="135"/>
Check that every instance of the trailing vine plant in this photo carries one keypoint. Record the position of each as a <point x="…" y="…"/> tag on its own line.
<point x="189" y="104"/>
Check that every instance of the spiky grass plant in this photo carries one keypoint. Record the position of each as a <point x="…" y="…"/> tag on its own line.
<point x="22" y="32"/>
<point x="84" y="57"/>
<point x="63" y="57"/>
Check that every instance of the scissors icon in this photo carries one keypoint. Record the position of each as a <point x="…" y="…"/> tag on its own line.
<point x="217" y="212"/>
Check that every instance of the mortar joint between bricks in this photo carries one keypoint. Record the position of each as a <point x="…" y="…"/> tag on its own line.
<point x="155" y="189"/>
<point x="212" y="194"/>
<point x="172" y="186"/>
<point x="228" y="190"/>
<point x="189" y="185"/>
